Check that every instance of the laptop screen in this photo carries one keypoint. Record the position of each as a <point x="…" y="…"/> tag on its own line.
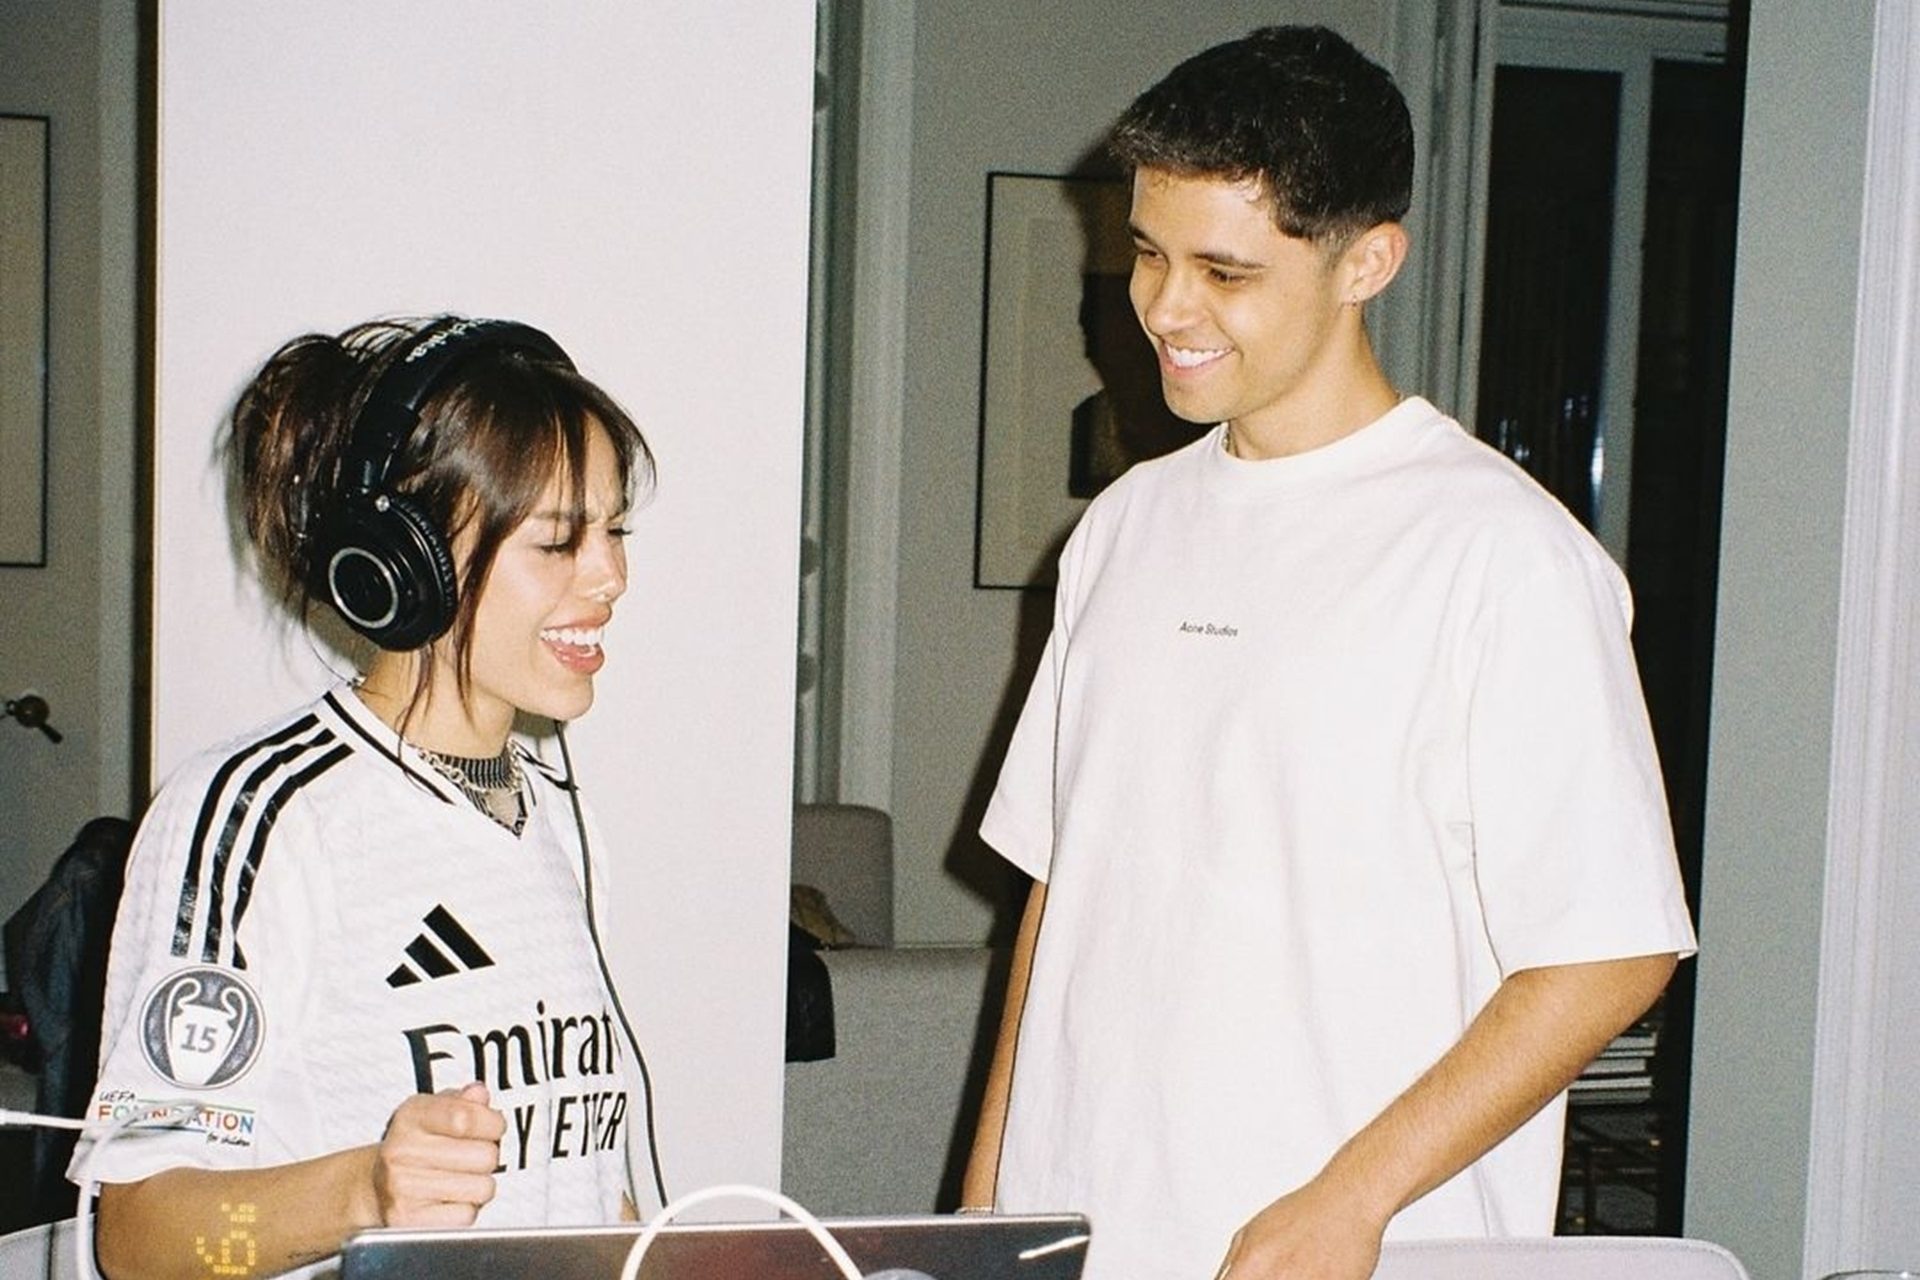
<point x="1013" y="1247"/>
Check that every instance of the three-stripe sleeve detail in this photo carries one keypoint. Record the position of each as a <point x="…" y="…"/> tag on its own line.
<point x="243" y="801"/>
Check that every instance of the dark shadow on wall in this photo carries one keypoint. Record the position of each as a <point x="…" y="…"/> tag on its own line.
<point x="1123" y="422"/>
<point x="969" y="859"/>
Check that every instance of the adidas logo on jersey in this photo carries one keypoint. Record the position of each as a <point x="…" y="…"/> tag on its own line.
<point x="444" y="948"/>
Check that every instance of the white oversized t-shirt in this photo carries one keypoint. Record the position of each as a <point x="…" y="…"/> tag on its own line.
<point x="316" y="924"/>
<point x="1322" y="747"/>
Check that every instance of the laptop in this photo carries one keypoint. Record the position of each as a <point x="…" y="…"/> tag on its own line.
<point x="933" y="1247"/>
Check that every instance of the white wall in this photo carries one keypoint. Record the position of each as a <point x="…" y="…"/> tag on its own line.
<point x="66" y="630"/>
<point x="996" y="85"/>
<point x="633" y="179"/>
<point x="1768" y="787"/>
<point x="1865" y="1138"/>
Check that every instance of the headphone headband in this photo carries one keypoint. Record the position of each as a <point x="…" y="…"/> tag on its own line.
<point x="391" y="412"/>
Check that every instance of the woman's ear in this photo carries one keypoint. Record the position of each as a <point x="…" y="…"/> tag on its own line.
<point x="1373" y="260"/>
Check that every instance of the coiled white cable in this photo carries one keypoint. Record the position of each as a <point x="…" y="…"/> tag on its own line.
<point x="630" y="1270"/>
<point x="142" y="1116"/>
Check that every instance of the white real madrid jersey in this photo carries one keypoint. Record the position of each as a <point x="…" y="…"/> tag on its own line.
<point x="316" y="925"/>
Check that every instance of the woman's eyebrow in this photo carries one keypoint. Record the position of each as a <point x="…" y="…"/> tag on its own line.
<point x="559" y="515"/>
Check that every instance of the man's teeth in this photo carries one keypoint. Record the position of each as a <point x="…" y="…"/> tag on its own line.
<point x="573" y="637"/>
<point x="1187" y="358"/>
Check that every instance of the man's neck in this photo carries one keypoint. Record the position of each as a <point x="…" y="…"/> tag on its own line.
<point x="1327" y="409"/>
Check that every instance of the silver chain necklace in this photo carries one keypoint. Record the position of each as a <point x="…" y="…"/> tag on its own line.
<point x="492" y="783"/>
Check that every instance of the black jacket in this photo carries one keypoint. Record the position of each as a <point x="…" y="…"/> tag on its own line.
<point x="56" y="947"/>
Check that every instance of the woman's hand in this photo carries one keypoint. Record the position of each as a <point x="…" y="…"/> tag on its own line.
<point x="435" y="1166"/>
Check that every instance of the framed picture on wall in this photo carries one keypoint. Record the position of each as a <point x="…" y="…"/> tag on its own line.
<point x="1070" y="390"/>
<point x="23" y="340"/>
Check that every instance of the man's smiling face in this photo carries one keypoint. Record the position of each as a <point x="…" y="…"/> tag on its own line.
<point x="1242" y="316"/>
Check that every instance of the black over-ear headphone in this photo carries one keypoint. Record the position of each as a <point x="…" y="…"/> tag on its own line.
<point x="376" y="555"/>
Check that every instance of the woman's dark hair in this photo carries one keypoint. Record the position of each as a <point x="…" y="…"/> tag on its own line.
<point x="1324" y="131"/>
<point x="499" y="425"/>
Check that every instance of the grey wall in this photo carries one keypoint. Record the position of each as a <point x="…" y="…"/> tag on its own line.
<point x="1006" y="89"/>
<point x="997" y="85"/>
<point x="1767" y="795"/>
<point x="66" y="630"/>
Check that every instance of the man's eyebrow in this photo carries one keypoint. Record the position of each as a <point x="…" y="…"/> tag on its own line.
<point x="1214" y="257"/>
<point x="1220" y="258"/>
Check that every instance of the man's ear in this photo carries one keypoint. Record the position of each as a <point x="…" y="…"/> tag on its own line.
<point x="1373" y="260"/>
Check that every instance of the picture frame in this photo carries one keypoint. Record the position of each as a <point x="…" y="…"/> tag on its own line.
<point x="24" y="184"/>
<point x="1070" y="390"/>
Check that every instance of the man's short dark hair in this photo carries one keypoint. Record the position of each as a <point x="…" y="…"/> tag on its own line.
<point x="1298" y="109"/>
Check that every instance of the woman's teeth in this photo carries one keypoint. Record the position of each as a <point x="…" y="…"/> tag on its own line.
<point x="573" y="637"/>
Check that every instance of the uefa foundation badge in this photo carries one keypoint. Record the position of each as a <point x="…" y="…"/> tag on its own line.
<point x="202" y="1028"/>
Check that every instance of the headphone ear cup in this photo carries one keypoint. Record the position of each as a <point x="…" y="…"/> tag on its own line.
<point x="387" y="571"/>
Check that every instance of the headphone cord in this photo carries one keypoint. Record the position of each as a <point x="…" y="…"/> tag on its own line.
<point x="606" y="976"/>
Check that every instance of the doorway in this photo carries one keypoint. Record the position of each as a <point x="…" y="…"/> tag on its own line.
<point x="1603" y="354"/>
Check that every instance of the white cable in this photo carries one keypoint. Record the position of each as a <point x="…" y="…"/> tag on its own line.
<point x="141" y="1116"/>
<point x="22" y="1118"/>
<point x="630" y="1270"/>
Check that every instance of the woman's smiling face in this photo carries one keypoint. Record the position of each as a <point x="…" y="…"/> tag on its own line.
<point x="536" y="638"/>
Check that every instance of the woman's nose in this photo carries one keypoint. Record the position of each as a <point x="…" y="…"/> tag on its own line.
<point x="603" y="568"/>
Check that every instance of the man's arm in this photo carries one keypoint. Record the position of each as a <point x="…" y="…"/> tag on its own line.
<point x="983" y="1165"/>
<point x="1534" y="1036"/>
<point x="434" y="1168"/>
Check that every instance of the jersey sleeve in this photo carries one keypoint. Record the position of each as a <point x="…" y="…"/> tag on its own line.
<point x="1573" y="849"/>
<point x="206" y="982"/>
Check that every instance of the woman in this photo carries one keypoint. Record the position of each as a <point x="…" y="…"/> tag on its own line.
<point x="361" y="937"/>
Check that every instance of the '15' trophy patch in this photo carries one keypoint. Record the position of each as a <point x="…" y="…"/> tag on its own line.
<point x="202" y="1027"/>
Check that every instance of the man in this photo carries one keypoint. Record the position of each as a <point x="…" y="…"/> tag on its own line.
<point x="1336" y="785"/>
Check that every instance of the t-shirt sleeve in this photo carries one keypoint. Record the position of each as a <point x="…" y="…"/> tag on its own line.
<point x="1019" y="818"/>
<point x="1573" y="849"/>
<point x="205" y="987"/>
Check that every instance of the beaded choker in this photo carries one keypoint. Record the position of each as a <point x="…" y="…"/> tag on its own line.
<point x="492" y="783"/>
